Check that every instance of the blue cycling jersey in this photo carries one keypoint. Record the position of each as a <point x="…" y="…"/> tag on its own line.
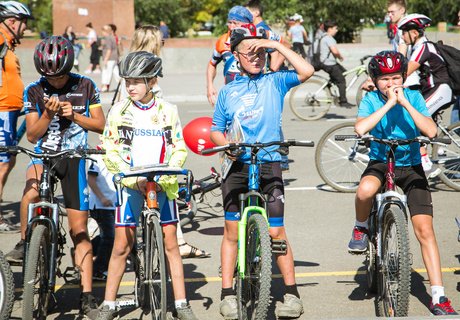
<point x="258" y="104"/>
<point x="397" y="123"/>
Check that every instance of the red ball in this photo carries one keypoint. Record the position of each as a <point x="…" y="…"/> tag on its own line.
<point x="197" y="135"/>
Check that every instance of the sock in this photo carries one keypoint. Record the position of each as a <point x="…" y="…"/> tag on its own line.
<point x="364" y="224"/>
<point x="180" y="302"/>
<point x="293" y="290"/>
<point x="227" y="292"/>
<point x="437" y="292"/>
<point x="111" y="304"/>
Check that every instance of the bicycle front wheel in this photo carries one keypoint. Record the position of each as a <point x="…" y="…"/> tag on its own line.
<point x="6" y="289"/>
<point x="394" y="285"/>
<point x="341" y="163"/>
<point x="448" y="157"/>
<point x="309" y="101"/>
<point x="36" y="276"/>
<point x="154" y="254"/>
<point x="253" y="291"/>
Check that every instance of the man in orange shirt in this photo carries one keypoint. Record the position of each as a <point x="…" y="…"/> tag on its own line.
<point x="13" y="20"/>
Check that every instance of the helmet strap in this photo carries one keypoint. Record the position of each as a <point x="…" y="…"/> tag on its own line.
<point x="16" y="39"/>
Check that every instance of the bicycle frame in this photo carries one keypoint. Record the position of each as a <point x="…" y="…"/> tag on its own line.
<point x="251" y="198"/>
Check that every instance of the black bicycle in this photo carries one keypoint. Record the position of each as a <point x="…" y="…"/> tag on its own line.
<point x="45" y="236"/>
<point x="6" y="289"/>
<point x="188" y="209"/>
<point x="148" y="254"/>
<point x="388" y="256"/>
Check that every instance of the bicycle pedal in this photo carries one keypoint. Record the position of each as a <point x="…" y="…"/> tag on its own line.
<point x="279" y="246"/>
<point x="126" y="303"/>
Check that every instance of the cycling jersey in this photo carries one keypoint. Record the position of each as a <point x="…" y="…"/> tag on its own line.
<point x="222" y="53"/>
<point x="258" y="104"/>
<point x="137" y="134"/>
<point x="12" y="87"/>
<point x="397" y="123"/>
<point x="433" y="70"/>
<point x="62" y="133"/>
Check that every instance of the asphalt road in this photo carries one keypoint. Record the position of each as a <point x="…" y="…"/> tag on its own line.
<point x="331" y="282"/>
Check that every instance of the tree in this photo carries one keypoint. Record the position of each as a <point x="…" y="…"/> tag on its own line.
<point x="41" y="10"/>
<point x="441" y="10"/>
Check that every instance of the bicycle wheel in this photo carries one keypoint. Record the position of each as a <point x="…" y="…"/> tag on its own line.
<point x="155" y="269"/>
<point x="371" y="257"/>
<point x="394" y="285"/>
<point x="341" y="163"/>
<point x="253" y="291"/>
<point x="6" y="289"/>
<point x="36" y="276"/>
<point x="360" y="93"/>
<point x="448" y="157"/>
<point x="308" y="101"/>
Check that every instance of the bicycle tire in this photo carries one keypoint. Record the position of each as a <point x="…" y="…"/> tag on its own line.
<point x="6" y="288"/>
<point x="394" y="285"/>
<point x="190" y="215"/>
<point x="253" y="291"/>
<point x="36" y="276"/>
<point x="335" y="161"/>
<point x="155" y="263"/>
<point x="450" y="169"/>
<point x="306" y="106"/>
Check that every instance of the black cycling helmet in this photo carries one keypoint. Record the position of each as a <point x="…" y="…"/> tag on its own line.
<point x="54" y="56"/>
<point x="387" y="62"/>
<point x="246" y="31"/>
<point x="14" y="9"/>
<point x="141" y="65"/>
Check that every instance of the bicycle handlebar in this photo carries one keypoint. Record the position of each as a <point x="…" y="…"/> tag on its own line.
<point x="420" y="139"/>
<point x="237" y="145"/>
<point x="81" y="152"/>
<point x="365" y="58"/>
<point x="151" y="172"/>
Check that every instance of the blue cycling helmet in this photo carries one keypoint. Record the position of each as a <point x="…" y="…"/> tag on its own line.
<point x="240" y="13"/>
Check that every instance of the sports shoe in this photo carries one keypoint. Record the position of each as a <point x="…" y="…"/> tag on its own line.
<point x="346" y="104"/>
<point x="432" y="173"/>
<point x="88" y="306"/>
<point x="5" y="227"/>
<point x="359" y="239"/>
<point x="442" y="308"/>
<point x="228" y="308"/>
<point x="105" y="313"/>
<point x="291" y="308"/>
<point x="16" y="256"/>
<point x="184" y="312"/>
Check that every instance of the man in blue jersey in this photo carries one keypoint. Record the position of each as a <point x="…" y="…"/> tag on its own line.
<point x="255" y="99"/>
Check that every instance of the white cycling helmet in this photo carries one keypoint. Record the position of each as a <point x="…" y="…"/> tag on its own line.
<point x="246" y="31"/>
<point x="14" y="9"/>
<point x="414" y="21"/>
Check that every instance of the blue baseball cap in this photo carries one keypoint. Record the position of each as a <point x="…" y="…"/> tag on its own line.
<point x="240" y="13"/>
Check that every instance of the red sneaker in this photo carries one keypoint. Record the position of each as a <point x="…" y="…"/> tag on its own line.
<point x="442" y="308"/>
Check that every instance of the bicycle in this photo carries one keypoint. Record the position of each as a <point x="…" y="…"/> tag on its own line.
<point x="448" y="157"/>
<point x="255" y="247"/>
<point x="312" y="99"/>
<point x="148" y="255"/>
<point x="188" y="209"/>
<point x="45" y="236"/>
<point x="341" y="163"/>
<point x="388" y="257"/>
<point x="6" y="288"/>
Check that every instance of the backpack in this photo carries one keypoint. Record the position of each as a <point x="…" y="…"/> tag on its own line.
<point x="314" y="54"/>
<point x="451" y="57"/>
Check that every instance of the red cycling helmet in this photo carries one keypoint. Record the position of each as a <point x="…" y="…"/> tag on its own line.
<point x="387" y="62"/>
<point x="54" y="56"/>
<point x="246" y="31"/>
<point x="197" y="134"/>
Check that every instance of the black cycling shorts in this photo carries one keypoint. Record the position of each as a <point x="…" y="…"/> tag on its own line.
<point x="411" y="180"/>
<point x="271" y="184"/>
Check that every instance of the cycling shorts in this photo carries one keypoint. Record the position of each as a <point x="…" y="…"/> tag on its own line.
<point x="127" y="215"/>
<point x="438" y="98"/>
<point x="411" y="180"/>
<point x="271" y="184"/>
<point x="72" y="174"/>
<point x="8" y="122"/>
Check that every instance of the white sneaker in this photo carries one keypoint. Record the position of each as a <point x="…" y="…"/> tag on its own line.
<point x="432" y="173"/>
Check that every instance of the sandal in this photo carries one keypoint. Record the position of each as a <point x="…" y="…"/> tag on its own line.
<point x="194" y="252"/>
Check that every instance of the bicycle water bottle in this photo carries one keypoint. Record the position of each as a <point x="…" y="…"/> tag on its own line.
<point x="152" y="201"/>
